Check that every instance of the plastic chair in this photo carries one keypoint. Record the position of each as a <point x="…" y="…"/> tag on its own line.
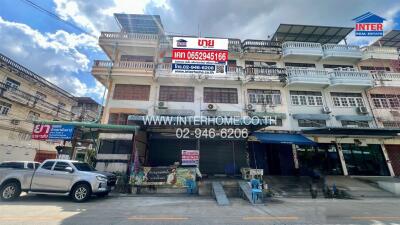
<point x="190" y="186"/>
<point x="255" y="190"/>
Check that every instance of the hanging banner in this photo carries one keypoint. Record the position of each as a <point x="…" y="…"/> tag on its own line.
<point x="163" y="175"/>
<point x="199" y="55"/>
<point x="190" y="157"/>
<point x="52" y="132"/>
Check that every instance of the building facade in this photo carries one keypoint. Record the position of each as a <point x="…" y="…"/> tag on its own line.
<point x="313" y="86"/>
<point x="87" y="109"/>
<point x="25" y="97"/>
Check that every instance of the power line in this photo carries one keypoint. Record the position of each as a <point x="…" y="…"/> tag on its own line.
<point x="55" y="16"/>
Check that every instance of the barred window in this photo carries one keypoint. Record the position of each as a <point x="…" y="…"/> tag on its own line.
<point x="311" y="98"/>
<point x="347" y="99"/>
<point x="301" y="65"/>
<point x="176" y="94"/>
<point x="350" y="123"/>
<point x="220" y="95"/>
<point x="385" y="101"/>
<point x="131" y="92"/>
<point x="4" y="108"/>
<point x="11" y="83"/>
<point x="266" y="97"/>
<point x="391" y="124"/>
<point x="118" y="118"/>
<point x="311" y="123"/>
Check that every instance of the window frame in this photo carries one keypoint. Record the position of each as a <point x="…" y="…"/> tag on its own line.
<point x="176" y="93"/>
<point x="142" y="93"/>
<point x="264" y="94"/>
<point x="304" y="98"/>
<point x="220" y="95"/>
<point x="302" y="123"/>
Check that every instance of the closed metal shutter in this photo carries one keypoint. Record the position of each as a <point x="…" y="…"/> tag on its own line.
<point x="164" y="152"/>
<point x="222" y="156"/>
<point x="394" y="157"/>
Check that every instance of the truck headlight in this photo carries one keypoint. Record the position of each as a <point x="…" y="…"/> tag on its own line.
<point x="101" y="178"/>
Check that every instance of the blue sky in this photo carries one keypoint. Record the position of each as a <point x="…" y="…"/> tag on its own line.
<point x="64" y="55"/>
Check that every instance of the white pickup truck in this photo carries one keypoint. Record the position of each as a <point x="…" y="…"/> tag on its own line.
<point x="59" y="177"/>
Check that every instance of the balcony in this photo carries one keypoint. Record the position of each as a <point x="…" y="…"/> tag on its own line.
<point x="265" y="74"/>
<point x="386" y="79"/>
<point x="262" y="49"/>
<point x="309" y="50"/>
<point x="377" y="52"/>
<point x="165" y="70"/>
<point x="234" y="45"/>
<point x="342" y="52"/>
<point x="307" y="77"/>
<point x="132" y="43"/>
<point x="31" y="101"/>
<point x="343" y="78"/>
<point x="101" y="69"/>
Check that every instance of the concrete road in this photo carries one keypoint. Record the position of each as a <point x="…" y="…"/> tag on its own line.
<point x="196" y="210"/>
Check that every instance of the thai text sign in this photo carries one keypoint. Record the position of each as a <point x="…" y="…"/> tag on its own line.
<point x="52" y="132"/>
<point x="190" y="157"/>
<point x="199" y="55"/>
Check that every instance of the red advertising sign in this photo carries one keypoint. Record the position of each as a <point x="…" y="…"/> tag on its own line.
<point x="200" y="55"/>
<point x="41" y="132"/>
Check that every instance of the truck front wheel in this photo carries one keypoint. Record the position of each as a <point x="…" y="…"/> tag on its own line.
<point x="81" y="192"/>
<point x="10" y="191"/>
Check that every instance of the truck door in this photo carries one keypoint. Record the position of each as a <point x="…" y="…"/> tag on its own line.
<point x="42" y="180"/>
<point x="62" y="179"/>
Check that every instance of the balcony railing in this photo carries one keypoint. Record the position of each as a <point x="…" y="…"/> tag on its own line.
<point x="342" y="51"/>
<point x="122" y="35"/>
<point x="377" y="52"/>
<point x="261" y="46"/>
<point x="307" y="76"/>
<point x="265" y="71"/>
<point x="388" y="79"/>
<point x="302" y="48"/>
<point x="234" y="45"/>
<point x="353" y="78"/>
<point x="31" y="101"/>
<point x="124" y="64"/>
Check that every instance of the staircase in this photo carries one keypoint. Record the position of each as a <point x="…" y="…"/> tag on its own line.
<point x="291" y="186"/>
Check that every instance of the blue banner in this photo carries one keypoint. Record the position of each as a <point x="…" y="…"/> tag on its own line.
<point x="61" y="132"/>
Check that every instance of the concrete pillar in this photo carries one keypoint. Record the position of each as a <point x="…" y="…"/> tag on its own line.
<point x="295" y="159"/>
<point x="342" y="161"/>
<point x="389" y="164"/>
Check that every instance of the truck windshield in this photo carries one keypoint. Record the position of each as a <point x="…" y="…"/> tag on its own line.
<point x="83" y="166"/>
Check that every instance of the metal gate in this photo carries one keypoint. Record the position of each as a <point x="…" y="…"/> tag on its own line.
<point x="394" y="157"/>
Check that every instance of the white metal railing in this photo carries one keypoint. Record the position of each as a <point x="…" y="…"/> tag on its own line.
<point x="306" y="73"/>
<point x="385" y="76"/>
<point x="296" y="44"/>
<point x="345" y="48"/>
<point x="350" y="74"/>
<point x="122" y="35"/>
<point x="381" y="50"/>
<point x="124" y="64"/>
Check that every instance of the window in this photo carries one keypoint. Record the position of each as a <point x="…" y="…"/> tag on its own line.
<point x="30" y="166"/>
<point x="347" y="99"/>
<point x="348" y="123"/>
<point x="385" y="101"/>
<point x="48" y="165"/>
<point x="264" y="97"/>
<point x="373" y="68"/>
<point x="220" y="95"/>
<point x="40" y="95"/>
<point x="311" y="123"/>
<point x="4" y="108"/>
<point x="391" y="124"/>
<point x="115" y="147"/>
<point x="176" y="94"/>
<point x="311" y="98"/>
<point x="60" y="166"/>
<point x="259" y="64"/>
<point x="331" y="66"/>
<point x="300" y="65"/>
<point x="61" y="105"/>
<point x="33" y="116"/>
<point x="131" y="92"/>
<point x="12" y="83"/>
<point x="118" y="118"/>
<point x="12" y="165"/>
<point x="278" y="123"/>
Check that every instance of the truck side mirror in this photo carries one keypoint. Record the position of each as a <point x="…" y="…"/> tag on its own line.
<point x="69" y="169"/>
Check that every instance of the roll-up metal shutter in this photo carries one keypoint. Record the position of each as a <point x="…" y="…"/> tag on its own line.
<point x="164" y="152"/>
<point x="222" y="156"/>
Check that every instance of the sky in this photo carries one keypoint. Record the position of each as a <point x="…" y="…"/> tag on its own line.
<point x="64" y="54"/>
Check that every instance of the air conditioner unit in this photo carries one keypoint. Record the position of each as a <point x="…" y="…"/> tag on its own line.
<point x="326" y="110"/>
<point x="362" y="110"/>
<point x="250" y="107"/>
<point x="162" y="105"/>
<point x="211" y="107"/>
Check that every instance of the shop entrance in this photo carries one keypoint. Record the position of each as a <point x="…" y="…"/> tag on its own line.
<point x="322" y="159"/>
<point x="365" y="160"/>
<point x="275" y="159"/>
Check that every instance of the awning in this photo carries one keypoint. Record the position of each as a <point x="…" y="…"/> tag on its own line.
<point x="276" y="138"/>
<point x="310" y="116"/>
<point x="352" y="132"/>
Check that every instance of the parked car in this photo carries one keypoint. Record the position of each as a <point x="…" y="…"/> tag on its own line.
<point x="57" y="177"/>
<point x="31" y="165"/>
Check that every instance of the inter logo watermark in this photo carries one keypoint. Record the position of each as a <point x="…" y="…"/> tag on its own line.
<point x="369" y="25"/>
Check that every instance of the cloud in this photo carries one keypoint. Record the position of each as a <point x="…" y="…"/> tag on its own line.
<point x="57" y="56"/>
